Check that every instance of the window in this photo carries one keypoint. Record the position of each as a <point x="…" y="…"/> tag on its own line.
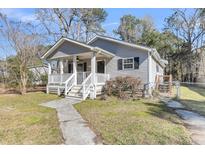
<point x="70" y="68"/>
<point x="128" y="63"/>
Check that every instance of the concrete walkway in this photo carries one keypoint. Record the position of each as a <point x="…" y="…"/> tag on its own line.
<point x="194" y="122"/>
<point x="75" y="130"/>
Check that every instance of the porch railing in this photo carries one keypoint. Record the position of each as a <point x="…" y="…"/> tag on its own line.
<point x="58" y="78"/>
<point x="69" y="83"/>
<point x="81" y="76"/>
<point x="101" y="78"/>
<point x="69" y="80"/>
<point x="86" y="85"/>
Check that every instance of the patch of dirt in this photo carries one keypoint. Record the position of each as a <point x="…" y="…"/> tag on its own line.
<point x="7" y="109"/>
<point x="16" y="91"/>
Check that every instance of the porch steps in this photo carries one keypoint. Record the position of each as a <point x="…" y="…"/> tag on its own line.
<point x="164" y="88"/>
<point x="75" y="92"/>
<point x="76" y="98"/>
<point x="54" y="89"/>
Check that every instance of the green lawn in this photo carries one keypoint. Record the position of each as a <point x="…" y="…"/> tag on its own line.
<point x="133" y="122"/>
<point x="193" y="98"/>
<point x="23" y="121"/>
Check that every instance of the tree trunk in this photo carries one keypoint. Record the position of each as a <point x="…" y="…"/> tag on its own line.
<point x="23" y="83"/>
<point x="23" y="88"/>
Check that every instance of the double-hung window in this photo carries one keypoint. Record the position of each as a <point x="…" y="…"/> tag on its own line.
<point x="128" y="63"/>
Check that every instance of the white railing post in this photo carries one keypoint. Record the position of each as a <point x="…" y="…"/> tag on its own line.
<point x="75" y="68"/>
<point x="93" y="67"/>
<point x="65" y="91"/>
<point x="61" y="71"/>
<point x="83" y="91"/>
<point x="86" y="85"/>
<point x="69" y="83"/>
<point x="49" y="77"/>
<point x="83" y="76"/>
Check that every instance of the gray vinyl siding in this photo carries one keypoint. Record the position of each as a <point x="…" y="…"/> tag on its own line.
<point x="122" y="51"/>
<point x="68" y="48"/>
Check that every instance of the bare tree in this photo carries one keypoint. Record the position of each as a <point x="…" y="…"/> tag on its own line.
<point x="78" y="24"/>
<point x="57" y="22"/>
<point x="189" y="27"/>
<point x="24" y="40"/>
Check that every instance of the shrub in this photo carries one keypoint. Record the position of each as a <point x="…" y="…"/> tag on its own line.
<point x="123" y="87"/>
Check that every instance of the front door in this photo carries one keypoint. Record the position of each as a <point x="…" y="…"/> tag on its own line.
<point x="80" y="67"/>
<point x="101" y="66"/>
<point x="81" y="72"/>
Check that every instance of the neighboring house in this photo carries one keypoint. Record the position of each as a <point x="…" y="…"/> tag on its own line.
<point x="38" y="72"/>
<point x="84" y="68"/>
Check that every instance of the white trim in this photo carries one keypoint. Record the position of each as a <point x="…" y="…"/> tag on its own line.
<point x="62" y="40"/>
<point x="75" y="69"/>
<point x="93" y="72"/>
<point x="104" y="51"/>
<point x="49" y="68"/>
<point x="123" y="63"/>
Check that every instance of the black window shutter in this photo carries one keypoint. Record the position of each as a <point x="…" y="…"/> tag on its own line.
<point x="85" y="67"/>
<point x="119" y="64"/>
<point x="136" y="62"/>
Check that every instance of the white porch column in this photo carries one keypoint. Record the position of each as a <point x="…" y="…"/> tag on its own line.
<point x="49" y="68"/>
<point x="61" y="70"/>
<point x="61" y="66"/>
<point x="75" y="68"/>
<point x="49" y="77"/>
<point x="93" y="69"/>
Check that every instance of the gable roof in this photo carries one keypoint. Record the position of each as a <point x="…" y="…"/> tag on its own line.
<point x="62" y="40"/>
<point x="119" y="42"/>
<point x="153" y="51"/>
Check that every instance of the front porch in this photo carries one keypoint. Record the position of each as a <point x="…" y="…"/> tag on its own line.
<point x="80" y="75"/>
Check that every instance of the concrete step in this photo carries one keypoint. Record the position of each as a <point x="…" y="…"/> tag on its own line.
<point x="77" y="87"/>
<point x="75" y="90"/>
<point x="74" y="95"/>
<point x="71" y="97"/>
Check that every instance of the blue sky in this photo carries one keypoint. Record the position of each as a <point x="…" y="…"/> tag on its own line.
<point x="112" y="21"/>
<point x="114" y="15"/>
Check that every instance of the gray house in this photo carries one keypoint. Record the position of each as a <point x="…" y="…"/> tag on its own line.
<point x="80" y="70"/>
